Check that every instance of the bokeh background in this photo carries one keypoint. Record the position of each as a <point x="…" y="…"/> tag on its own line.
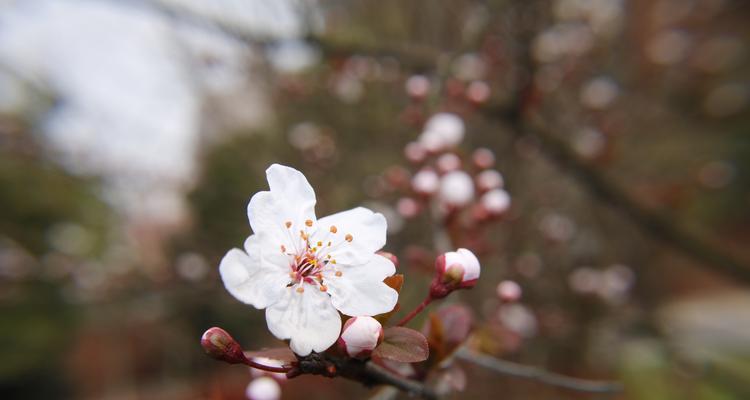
<point x="133" y="133"/>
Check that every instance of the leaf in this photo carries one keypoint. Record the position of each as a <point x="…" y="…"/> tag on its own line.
<point x="396" y="282"/>
<point x="277" y="353"/>
<point x="403" y="345"/>
<point x="447" y="329"/>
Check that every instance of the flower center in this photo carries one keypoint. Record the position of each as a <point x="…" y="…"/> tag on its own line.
<point x="313" y="257"/>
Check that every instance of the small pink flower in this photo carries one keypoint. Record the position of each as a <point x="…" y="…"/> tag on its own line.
<point x="360" y="336"/>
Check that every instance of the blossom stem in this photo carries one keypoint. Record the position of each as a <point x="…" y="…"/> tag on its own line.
<point x="268" y="368"/>
<point x="415" y="311"/>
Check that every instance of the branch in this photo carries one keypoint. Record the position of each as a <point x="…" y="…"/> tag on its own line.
<point x="650" y="221"/>
<point x="365" y="372"/>
<point x="539" y="375"/>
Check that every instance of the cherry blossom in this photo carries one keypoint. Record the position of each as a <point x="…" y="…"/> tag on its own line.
<point x="302" y="270"/>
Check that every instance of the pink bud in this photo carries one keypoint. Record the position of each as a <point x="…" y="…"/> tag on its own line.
<point x="483" y="158"/>
<point x="408" y="207"/>
<point x="478" y="92"/>
<point x="263" y="388"/>
<point x="425" y="181"/>
<point x="360" y="336"/>
<point x="495" y="202"/>
<point x="454" y="270"/>
<point x="489" y="179"/>
<point x="218" y="344"/>
<point x="415" y="152"/>
<point x="448" y="162"/>
<point x="418" y="86"/>
<point x="509" y="291"/>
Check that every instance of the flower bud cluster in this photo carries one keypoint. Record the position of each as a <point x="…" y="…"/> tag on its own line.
<point x="453" y="182"/>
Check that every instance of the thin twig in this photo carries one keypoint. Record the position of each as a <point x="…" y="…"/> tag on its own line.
<point x="538" y="375"/>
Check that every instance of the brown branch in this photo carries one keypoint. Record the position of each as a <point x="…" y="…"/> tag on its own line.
<point x="539" y="375"/>
<point x="650" y="221"/>
<point x="365" y="372"/>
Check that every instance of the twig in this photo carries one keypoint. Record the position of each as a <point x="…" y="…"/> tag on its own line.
<point x="538" y="375"/>
<point x="415" y="311"/>
<point x="650" y="221"/>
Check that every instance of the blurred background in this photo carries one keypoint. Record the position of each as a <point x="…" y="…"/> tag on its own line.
<point x="133" y="133"/>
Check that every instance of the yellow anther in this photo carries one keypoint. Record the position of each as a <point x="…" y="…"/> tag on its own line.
<point x="333" y="229"/>
<point x="329" y="244"/>
<point x="320" y="244"/>
<point x="288" y="224"/>
<point x="328" y="256"/>
<point x="349" y="237"/>
<point x="300" y="289"/>
<point x="308" y="222"/>
<point x="339" y="273"/>
<point x="333" y="261"/>
<point x="314" y="249"/>
<point x="323" y="288"/>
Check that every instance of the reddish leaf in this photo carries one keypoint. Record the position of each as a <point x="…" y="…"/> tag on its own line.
<point x="403" y="345"/>
<point x="278" y="353"/>
<point x="447" y="329"/>
<point x="395" y="282"/>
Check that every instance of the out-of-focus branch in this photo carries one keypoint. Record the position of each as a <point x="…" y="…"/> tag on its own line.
<point x="539" y="375"/>
<point x="650" y="221"/>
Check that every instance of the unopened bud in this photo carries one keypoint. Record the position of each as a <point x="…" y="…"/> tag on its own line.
<point x="389" y="256"/>
<point x="509" y="291"/>
<point x="454" y="270"/>
<point x="218" y="344"/>
<point x="483" y="158"/>
<point x="456" y="189"/>
<point x="263" y="388"/>
<point x="495" y="202"/>
<point x="417" y="86"/>
<point x="448" y="162"/>
<point x="360" y="336"/>
<point x="425" y="182"/>
<point x="489" y="179"/>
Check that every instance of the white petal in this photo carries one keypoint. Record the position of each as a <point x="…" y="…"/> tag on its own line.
<point x="360" y="289"/>
<point x="307" y="318"/>
<point x="367" y="230"/>
<point x="471" y="264"/>
<point x="291" y="199"/>
<point x="249" y="279"/>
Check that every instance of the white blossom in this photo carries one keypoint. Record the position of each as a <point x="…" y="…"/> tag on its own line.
<point x="302" y="270"/>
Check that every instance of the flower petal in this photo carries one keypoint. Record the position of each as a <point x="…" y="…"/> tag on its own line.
<point x="249" y="279"/>
<point x="291" y="199"/>
<point x="360" y="289"/>
<point x="367" y="230"/>
<point x="307" y="318"/>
